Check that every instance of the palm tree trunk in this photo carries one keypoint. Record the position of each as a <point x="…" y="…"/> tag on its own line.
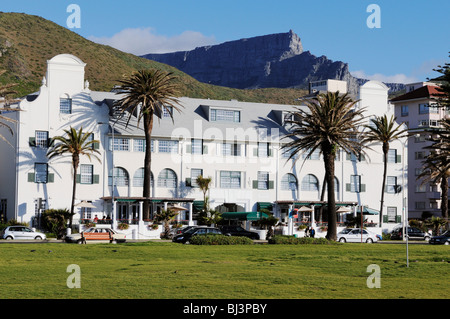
<point x="444" y="198"/>
<point x="383" y="184"/>
<point x="331" y="206"/>
<point x="75" y="161"/>
<point x="148" y="127"/>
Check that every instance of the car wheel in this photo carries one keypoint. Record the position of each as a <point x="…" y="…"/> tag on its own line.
<point x="38" y="238"/>
<point x="369" y="240"/>
<point x="113" y="241"/>
<point x="427" y="238"/>
<point x="80" y="241"/>
<point x="9" y="238"/>
<point x="447" y="243"/>
<point x="342" y="240"/>
<point x="187" y="242"/>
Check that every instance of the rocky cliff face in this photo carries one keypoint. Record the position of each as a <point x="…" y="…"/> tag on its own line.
<point x="276" y="60"/>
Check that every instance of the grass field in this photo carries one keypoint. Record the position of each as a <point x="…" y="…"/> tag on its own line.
<point x="159" y="270"/>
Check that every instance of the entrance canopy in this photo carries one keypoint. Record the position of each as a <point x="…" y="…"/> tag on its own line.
<point x="244" y="215"/>
<point x="369" y="211"/>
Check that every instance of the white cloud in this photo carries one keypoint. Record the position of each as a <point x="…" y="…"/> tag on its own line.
<point x="397" y="78"/>
<point x="140" y="41"/>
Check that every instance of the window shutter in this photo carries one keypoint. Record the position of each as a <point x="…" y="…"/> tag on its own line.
<point x="188" y="182"/>
<point x="398" y="159"/>
<point x="78" y="178"/>
<point x="188" y="149"/>
<point x="348" y="187"/>
<point x="96" y="145"/>
<point x="96" y="179"/>
<point x="398" y="218"/>
<point x="271" y="185"/>
<point x="385" y="218"/>
<point x="205" y="149"/>
<point x="32" y="141"/>
<point x="50" y="178"/>
<point x="255" y="184"/>
<point x="269" y="152"/>
<point x="363" y="188"/>
<point x="255" y="152"/>
<point x="31" y="177"/>
<point x="348" y="156"/>
<point x="50" y="142"/>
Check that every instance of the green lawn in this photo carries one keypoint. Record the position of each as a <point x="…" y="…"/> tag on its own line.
<point x="159" y="270"/>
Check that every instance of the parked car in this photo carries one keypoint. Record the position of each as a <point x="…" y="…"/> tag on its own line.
<point x="96" y="234"/>
<point x="413" y="233"/>
<point x="198" y="230"/>
<point x="233" y="230"/>
<point x="353" y="235"/>
<point x="181" y="230"/>
<point x="21" y="232"/>
<point x="443" y="239"/>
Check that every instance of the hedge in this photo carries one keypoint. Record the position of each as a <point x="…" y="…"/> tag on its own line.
<point x="291" y="240"/>
<point x="219" y="240"/>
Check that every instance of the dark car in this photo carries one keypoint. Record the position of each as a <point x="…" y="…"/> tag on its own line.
<point x="413" y="233"/>
<point x="185" y="237"/>
<point x="443" y="239"/>
<point x="231" y="230"/>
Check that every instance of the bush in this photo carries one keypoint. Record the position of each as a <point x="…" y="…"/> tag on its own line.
<point x="220" y="240"/>
<point x="291" y="240"/>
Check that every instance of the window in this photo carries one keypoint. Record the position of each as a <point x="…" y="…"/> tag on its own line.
<point x="218" y="115"/>
<point x="391" y="184"/>
<point x="286" y="153"/>
<point x="86" y="172"/>
<point x="355" y="183"/>
<point x="231" y="149"/>
<point x="425" y="109"/>
<point x="168" y="146"/>
<point x="289" y="183"/>
<point x="195" y="172"/>
<point x="310" y="183"/>
<point x="405" y="110"/>
<point x="167" y="179"/>
<point x="41" y="139"/>
<point x="392" y="156"/>
<point x="419" y="155"/>
<point x="421" y="188"/>
<point x="121" y="144"/>
<point x="197" y="146"/>
<point x="229" y="179"/>
<point x="263" y="149"/>
<point x="167" y="111"/>
<point x="419" y="138"/>
<point x="120" y="177"/>
<point x="65" y="106"/>
<point x="263" y="180"/>
<point x="419" y="205"/>
<point x="314" y="155"/>
<point x="392" y="214"/>
<point x="41" y="172"/>
<point x="138" y="178"/>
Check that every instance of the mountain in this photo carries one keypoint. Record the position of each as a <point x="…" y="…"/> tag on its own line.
<point x="275" y="60"/>
<point x="27" y="42"/>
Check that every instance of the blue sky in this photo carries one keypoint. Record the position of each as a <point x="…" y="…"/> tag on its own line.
<point x="414" y="36"/>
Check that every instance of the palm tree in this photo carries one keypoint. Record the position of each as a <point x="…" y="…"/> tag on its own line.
<point x="329" y="123"/>
<point x="204" y="183"/>
<point x="77" y="144"/>
<point x="165" y="216"/>
<point x="145" y="93"/>
<point x="385" y="131"/>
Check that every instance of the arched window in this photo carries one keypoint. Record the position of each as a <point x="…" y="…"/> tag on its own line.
<point x="138" y="178"/>
<point x="120" y="177"/>
<point x="167" y="179"/>
<point x="310" y="183"/>
<point x="289" y="182"/>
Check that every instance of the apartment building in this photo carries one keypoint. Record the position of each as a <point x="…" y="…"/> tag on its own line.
<point x="415" y="109"/>
<point x="237" y="144"/>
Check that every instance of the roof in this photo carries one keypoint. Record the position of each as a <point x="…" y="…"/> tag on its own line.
<point x="427" y="91"/>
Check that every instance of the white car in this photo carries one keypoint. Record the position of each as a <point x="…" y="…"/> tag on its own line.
<point x="353" y="235"/>
<point x="22" y="232"/>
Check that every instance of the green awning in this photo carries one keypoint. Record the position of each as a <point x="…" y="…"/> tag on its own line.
<point x="264" y="205"/>
<point x="244" y="215"/>
<point x="198" y="205"/>
<point x="369" y="211"/>
<point x="126" y="200"/>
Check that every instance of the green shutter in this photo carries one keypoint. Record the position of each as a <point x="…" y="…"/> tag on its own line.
<point x="348" y="187"/>
<point x="271" y="185"/>
<point x="188" y="149"/>
<point x="255" y="184"/>
<point x="31" y="177"/>
<point x="32" y="141"/>
<point x="363" y="188"/>
<point x="205" y="149"/>
<point x="255" y="152"/>
<point x="96" y="179"/>
<point x="398" y="159"/>
<point x="78" y="178"/>
<point x="50" y="178"/>
<point x="385" y="219"/>
<point x="96" y="145"/>
<point x="188" y="182"/>
<point x="398" y="218"/>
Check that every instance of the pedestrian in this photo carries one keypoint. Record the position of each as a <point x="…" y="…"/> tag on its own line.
<point x="96" y="219"/>
<point x="312" y="232"/>
<point x="307" y="232"/>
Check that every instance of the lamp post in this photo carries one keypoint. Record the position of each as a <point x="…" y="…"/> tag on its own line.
<point x="404" y="202"/>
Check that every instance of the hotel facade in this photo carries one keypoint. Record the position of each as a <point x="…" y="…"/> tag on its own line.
<point x="237" y="144"/>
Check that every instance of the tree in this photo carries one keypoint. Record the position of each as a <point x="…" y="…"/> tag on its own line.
<point x="76" y="144"/>
<point x="204" y="183"/>
<point x="442" y="99"/>
<point x="165" y="216"/>
<point x="385" y="131"/>
<point x="55" y="220"/>
<point x="145" y="93"/>
<point x="329" y="123"/>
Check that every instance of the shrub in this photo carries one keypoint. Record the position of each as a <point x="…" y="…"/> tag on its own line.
<point x="123" y="226"/>
<point x="291" y="240"/>
<point x="220" y="240"/>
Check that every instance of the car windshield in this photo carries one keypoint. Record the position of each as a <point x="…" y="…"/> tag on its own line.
<point x="192" y="230"/>
<point x="446" y="234"/>
<point x="346" y="231"/>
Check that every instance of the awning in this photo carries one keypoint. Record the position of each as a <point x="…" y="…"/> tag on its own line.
<point x="198" y="205"/>
<point x="264" y="205"/>
<point x="85" y="204"/>
<point x="368" y="211"/>
<point x="244" y="215"/>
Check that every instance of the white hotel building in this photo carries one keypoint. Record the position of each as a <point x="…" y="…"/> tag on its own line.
<point x="238" y="144"/>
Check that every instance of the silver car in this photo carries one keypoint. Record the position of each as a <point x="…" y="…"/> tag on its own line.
<point x="22" y="232"/>
<point x="353" y="235"/>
